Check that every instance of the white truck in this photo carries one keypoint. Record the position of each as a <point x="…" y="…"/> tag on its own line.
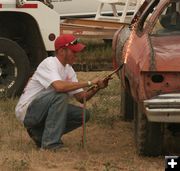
<point x="27" y="33"/>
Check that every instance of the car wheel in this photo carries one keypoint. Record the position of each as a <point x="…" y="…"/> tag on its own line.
<point x="148" y="135"/>
<point x="126" y="106"/>
<point x="14" y="68"/>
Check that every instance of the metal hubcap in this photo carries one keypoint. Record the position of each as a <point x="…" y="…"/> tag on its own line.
<point x="8" y="72"/>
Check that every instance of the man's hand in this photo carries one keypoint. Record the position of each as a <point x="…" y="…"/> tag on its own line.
<point x="101" y="83"/>
<point x="95" y="81"/>
<point x="104" y="83"/>
<point x="106" y="80"/>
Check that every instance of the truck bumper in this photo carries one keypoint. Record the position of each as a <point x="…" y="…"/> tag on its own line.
<point x="163" y="108"/>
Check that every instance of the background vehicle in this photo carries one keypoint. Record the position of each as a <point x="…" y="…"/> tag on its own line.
<point x="150" y="78"/>
<point x="82" y="8"/>
<point x="26" y="38"/>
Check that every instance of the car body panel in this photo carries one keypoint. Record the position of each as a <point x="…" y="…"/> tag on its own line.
<point x="166" y="53"/>
<point x="152" y="61"/>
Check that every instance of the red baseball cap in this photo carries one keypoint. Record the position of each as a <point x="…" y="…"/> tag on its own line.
<point x="68" y="41"/>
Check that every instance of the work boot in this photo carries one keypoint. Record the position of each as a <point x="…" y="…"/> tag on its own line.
<point x="34" y="138"/>
<point x="54" y="147"/>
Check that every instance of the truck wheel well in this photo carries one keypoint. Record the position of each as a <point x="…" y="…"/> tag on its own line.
<point x="23" y="29"/>
<point x="127" y="85"/>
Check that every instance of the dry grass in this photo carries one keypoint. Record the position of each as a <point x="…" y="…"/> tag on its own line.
<point x="110" y="145"/>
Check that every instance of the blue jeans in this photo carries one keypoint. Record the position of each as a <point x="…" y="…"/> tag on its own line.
<point x="49" y="116"/>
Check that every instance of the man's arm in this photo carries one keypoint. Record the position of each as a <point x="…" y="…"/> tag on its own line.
<point x="65" y="86"/>
<point x="88" y="94"/>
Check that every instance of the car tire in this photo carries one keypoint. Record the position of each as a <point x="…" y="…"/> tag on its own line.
<point x="14" y="68"/>
<point x="135" y="122"/>
<point x="148" y="135"/>
<point x="126" y="106"/>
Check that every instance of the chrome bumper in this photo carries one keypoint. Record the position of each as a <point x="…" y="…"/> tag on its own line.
<point x="163" y="108"/>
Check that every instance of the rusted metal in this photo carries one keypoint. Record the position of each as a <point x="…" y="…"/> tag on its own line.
<point x="152" y="66"/>
<point x="117" y="44"/>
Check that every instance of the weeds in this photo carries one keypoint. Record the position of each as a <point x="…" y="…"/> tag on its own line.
<point x="109" y="166"/>
<point x="81" y="166"/>
<point x="105" y="110"/>
<point x="95" y="52"/>
<point x="16" y="164"/>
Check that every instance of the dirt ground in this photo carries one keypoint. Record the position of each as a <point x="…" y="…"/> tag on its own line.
<point x="106" y="149"/>
<point x="109" y="146"/>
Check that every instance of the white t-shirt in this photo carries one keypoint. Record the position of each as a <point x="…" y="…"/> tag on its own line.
<point x="48" y="71"/>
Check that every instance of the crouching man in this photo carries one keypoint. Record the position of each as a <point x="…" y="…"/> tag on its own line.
<point x="43" y="107"/>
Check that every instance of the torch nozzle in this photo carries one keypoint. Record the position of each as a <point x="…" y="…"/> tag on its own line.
<point x="108" y="77"/>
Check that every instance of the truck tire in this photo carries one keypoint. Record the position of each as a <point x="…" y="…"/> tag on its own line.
<point x="148" y="135"/>
<point x="126" y="105"/>
<point x="14" y="68"/>
<point x="135" y="122"/>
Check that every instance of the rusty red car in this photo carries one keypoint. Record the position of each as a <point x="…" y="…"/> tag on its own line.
<point x="150" y="78"/>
